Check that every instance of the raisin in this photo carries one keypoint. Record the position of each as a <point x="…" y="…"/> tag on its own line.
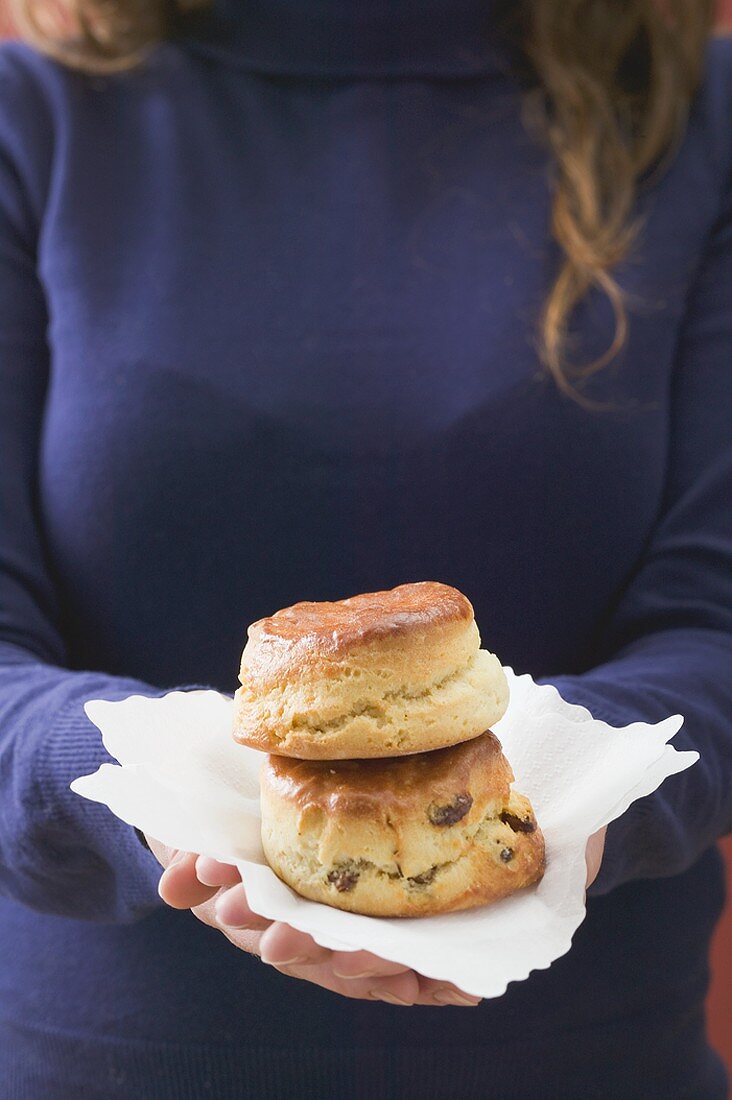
<point x="424" y="879"/>
<point x="518" y="824"/>
<point x="451" y="813"/>
<point x="343" y="878"/>
<point x="506" y="854"/>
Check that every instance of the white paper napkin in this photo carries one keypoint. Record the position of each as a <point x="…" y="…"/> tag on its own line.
<point x="182" y="779"/>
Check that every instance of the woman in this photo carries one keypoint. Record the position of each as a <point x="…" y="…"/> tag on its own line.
<point x="301" y="298"/>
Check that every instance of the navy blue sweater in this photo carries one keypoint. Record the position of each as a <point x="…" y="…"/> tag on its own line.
<point x="267" y="316"/>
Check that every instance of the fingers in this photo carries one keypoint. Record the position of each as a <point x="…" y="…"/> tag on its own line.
<point x="212" y="873"/>
<point x="179" y="887"/>
<point x="593" y="855"/>
<point x="395" y="989"/>
<point x="282" y="945"/>
<point x="353" y="965"/>
<point x="244" y="939"/>
<point x="432" y="991"/>
<point x="354" y="974"/>
<point x="297" y="954"/>
<point x="190" y="880"/>
<point x="400" y="988"/>
<point x="232" y="911"/>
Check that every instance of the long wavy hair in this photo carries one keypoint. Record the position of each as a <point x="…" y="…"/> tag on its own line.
<point x="611" y="83"/>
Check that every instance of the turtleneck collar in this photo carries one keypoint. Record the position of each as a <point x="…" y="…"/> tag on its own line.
<point x="449" y="38"/>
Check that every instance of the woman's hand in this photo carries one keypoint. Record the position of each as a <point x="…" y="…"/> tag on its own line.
<point x="215" y="894"/>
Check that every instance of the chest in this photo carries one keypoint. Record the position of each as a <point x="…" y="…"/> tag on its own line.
<point x="305" y="316"/>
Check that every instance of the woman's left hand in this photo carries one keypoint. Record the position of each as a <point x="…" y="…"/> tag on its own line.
<point x="350" y="973"/>
<point x="215" y="894"/>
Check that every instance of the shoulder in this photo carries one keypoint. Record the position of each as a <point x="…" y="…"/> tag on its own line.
<point x="26" y="135"/>
<point x="30" y="92"/>
<point x="27" y="77"/>
<point x="37" y="89"/>
<point x="49" y="110"/>
<point x="44" y="112"/>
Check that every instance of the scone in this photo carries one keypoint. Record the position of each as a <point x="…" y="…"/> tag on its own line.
<point x="381" y="674"/>
<point x="424" y="834"/>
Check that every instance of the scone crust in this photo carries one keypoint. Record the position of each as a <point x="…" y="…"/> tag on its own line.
<point x="432" y="833"/>
<point x="293" y="639"/>
<point x="393" y="790"/>
<point x="380" y="674"/>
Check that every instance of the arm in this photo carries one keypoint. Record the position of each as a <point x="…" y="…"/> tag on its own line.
<point x="668" y="645"/>
<point x="58" y="853"/>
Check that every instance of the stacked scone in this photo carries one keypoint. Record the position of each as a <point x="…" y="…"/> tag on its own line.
<point x="384" y="791"/>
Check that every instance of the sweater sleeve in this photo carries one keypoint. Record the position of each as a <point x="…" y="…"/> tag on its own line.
<point x="668" y="646"/>
<point x="58" y="853"/>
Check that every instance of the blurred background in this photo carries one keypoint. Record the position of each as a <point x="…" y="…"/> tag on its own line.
<point x="720" y="997"/>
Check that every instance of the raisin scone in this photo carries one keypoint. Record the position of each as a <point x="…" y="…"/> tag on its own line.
<point x="429" y="833"/>
<point x="380" y="674"/>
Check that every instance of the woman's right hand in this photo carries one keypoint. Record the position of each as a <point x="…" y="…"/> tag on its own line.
<point x="215" y="894"/>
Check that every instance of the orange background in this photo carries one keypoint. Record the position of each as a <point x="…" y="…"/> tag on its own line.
<point x="720" y="996"/>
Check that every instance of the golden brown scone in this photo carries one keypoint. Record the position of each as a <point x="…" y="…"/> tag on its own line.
<point x="381" y="674"/>
<point x="424" y="834"/>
